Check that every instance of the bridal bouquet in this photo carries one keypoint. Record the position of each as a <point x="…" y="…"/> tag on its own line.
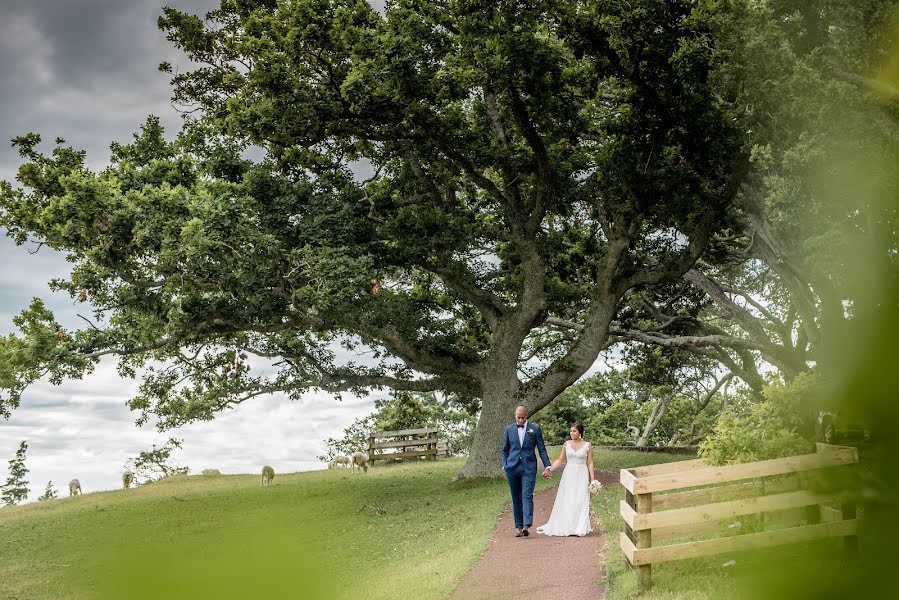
<point x="594" y="486"/>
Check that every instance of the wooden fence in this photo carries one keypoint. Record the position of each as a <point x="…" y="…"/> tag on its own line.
<point x="777" y="489"/>
<point x="406" y="443"/>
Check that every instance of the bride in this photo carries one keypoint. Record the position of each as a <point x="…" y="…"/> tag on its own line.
<point x="571" y="511"/>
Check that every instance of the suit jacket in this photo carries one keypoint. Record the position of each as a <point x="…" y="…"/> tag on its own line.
<point x="515" y="453"/>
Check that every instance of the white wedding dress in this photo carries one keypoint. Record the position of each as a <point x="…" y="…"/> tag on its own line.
<point x="571" y="511"/>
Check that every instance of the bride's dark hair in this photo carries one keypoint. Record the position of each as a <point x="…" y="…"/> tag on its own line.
<point x="579" y="427"/>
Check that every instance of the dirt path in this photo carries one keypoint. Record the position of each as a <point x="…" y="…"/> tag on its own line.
<point x="538" y="567"/>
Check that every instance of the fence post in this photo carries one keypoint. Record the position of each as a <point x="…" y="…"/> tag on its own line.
<point x="644" y="540"/>
<point x="371" y="450"/>
<point x="850" y="542"/>
<point x="433" y="447"/>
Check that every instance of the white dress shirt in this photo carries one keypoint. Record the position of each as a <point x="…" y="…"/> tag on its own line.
<point x="521" y="431"/>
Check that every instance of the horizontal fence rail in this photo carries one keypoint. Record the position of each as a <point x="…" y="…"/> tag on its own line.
<point x="404" y="432"/>
<point x="659" y="506"/>
<point x="405" y="443"/>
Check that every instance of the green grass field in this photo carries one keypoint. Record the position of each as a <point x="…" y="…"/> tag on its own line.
<point x="404" y="531"/>
<point x="399" y="531"/>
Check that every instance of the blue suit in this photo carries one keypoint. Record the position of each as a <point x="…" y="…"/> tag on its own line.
<point x="520" y="465"/>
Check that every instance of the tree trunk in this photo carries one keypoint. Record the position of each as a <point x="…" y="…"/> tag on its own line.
<point x="655" y="417"/>
<point x="497" y="411"/>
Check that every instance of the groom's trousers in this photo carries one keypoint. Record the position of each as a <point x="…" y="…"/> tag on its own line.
<point x="521" y="484"/>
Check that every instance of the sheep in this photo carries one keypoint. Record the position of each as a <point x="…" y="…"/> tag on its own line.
<point x="74" y="487"/>
<point x="127" y="479"/>
<point x="360" y="459"/>
<point x="340" y="459"/>
<point x="268" y="474"/>
<point x="211" y="472"/>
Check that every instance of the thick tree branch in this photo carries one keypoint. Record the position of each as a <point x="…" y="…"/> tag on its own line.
<point x="475" y="176"/>
<point x="704" y="401"/>
<point x="496" y="123"/>
<point x="594" y="332"/>
<point x="746" y="369"/>
<point x="544" y="167"/>
<point x="489" y="304"/>
<point x="728" y="307"/>
<point x="335" y="383"/>
<point x="680" y="265"/>
<point x="687" y="342"/>
<point x="767" y="248"/>
<point x="886" y="93"/>
<point x="510" y="179"/>
<point x="775" y="322"/>
<point x="419" y="358"/>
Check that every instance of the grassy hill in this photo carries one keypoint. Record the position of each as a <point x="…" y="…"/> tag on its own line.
<point x="404" y="531"/>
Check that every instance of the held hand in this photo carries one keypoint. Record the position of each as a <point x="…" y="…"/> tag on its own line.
<point x="547" y="473"/>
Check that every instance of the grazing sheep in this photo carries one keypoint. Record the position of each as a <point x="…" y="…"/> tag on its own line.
<point x="360" y="459"/>
<point x="268" y="474"/>
<point x="211" y="472"/>
<point x="340" y="459"/>
<point x="127" y="479"/>
<point x="74" y="487"/>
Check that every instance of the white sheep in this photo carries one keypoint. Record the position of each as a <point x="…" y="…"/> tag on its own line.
<point x="211" y="472"/>
<point x="268" y="474"/>
<point x="343" y="460"/>
<point x="127" y="479"/>
<point x="360" y="459"/>
<point x="74" y="487"/>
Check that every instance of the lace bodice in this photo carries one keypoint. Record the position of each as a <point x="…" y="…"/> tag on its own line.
<point x="576" y="457"/>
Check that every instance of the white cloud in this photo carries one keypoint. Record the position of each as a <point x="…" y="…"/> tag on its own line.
<point x="83" y="430"/>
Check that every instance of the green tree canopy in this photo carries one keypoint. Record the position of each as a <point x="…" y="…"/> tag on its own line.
<point x="819" y="103"/>
<point x="529" y="161"/>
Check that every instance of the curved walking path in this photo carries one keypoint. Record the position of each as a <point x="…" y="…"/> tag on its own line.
<point x="538" y="567"/>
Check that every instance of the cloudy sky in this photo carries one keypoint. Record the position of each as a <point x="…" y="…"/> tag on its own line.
<point x="86" y="71"/>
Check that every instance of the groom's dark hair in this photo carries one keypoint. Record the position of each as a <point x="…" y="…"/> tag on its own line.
<point x="579" y="426"/>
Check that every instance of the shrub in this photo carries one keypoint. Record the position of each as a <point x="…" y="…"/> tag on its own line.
<point x="153" y="465"/>
<point x="611" y="425"/>
<point x="751" y="430"/>
<point x="49" y="493"/>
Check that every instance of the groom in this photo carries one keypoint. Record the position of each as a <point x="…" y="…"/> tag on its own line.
<point x="520" y="464"/>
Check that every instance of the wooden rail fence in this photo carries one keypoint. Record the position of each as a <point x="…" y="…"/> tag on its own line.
<point x="654" y="511"/>
<point x="405" y="443"/>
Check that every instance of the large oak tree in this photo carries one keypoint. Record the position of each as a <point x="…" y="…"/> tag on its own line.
<point x="528" y="162"/>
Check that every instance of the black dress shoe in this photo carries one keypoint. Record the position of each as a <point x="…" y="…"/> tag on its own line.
<point x="520" y="533"/>
<point x="525" y="533"/>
